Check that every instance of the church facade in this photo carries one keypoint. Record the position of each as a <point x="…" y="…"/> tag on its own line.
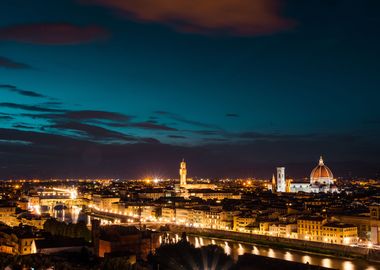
<point x="321" y="180"/>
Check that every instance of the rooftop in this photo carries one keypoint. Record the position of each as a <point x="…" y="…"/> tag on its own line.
<point x="338" y="225"/>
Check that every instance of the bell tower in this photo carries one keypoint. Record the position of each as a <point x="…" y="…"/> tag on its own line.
<point x="182" y="174"/>
<point x="281" y="183"/>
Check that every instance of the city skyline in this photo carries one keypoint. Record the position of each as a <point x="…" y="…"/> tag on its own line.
<point x="112" y="89"/>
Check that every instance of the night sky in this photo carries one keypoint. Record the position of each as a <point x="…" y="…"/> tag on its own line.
<point x="126" y="88"/>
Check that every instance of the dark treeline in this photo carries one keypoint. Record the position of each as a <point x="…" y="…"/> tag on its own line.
<point x="78" y="230"/>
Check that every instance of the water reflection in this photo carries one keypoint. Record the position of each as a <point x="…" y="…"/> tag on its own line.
<point x="72" y="215"/>
<point x="326" y="262"/>
<point x="227" y="248"/>
<point x="236" y="249"/>
<point x="255" y="251"/>
<point x="288" y="256"/>
<point x="271" y="253"/>
<point x="306" y="259"/>
<point x="197" y="245"/>
<point x="348" y="265"/>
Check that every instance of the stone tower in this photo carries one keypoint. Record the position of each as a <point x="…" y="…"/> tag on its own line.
<point x="281" y="183"/>
<point x="274" y="188"/>
<point x="182" y="174"/>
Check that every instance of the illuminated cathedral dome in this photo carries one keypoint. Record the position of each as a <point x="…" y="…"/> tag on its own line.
<point x="321" y="174"/>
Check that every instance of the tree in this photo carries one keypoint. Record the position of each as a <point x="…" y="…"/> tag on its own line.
<point x="183" y="255"/>
<point x="117" y="264"/>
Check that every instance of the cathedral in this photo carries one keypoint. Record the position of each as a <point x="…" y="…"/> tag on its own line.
<point x="321" y="180"/>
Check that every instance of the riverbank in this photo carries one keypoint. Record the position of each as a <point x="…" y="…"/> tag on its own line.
<point x="237" y="248"/>
<point x="284" y="243"/>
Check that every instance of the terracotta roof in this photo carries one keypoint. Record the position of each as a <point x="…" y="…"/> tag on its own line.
<point x="321" y="171"/>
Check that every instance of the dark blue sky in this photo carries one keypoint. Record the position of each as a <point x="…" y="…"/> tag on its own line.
<point x="237" y="87"/>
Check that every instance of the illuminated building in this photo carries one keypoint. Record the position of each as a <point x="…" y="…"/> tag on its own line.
<point x="227" y="219"/>
<point x="310" y="228"/>
<point x="27" y="245"/>
<point x="168" y="214"/>
<point x="182" y="174"/>
<point x="288" y="185"/>
<point x="321" y="174"/>
<point x="374" y="211"/>
<point x="184" y="186"/>
<point x="183" y="215"/>
<point x="209" y="194"/>
<point x="152" y="194"/>
<point x="23" y="204"/>
<point x="368" y="225"/>
<point x="340" y="233"/>
<point x="114" y="239"/>
<point x="33" y="200"/>
<point x="316" y="228"/>
<point x="104" y="201"/>
<point x="212" y="218"/>
<point x="148" y="212"/>
<point x="6" y="249"/>
<point x="264" y="226"/>
<point x="274" y="183"/>
<point x="8" y="215"/>
<point x="283" y="230"/>
<point x="35" y="221"/>
<point x="240" y="222"/>
<point x="321" y="180"/>
<point x="281" y="184"/>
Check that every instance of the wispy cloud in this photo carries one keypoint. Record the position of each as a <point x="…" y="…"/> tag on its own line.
<point x="28" y="107"/>
<point x="94" y="132"/>
<point x="27" y="93"/>
<point x="231" y="17"/>
<point x="232" y="115"/>
<point x="11" y="64"/>
<point x="52" y="33"/>
<point x="182" y="119"/>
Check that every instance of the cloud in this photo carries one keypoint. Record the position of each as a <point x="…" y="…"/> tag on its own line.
<point x="28" y="107"/>
<point x="22" y="126"/>
<point x="5" y="117"/>
<point x="27" y="93"/>
<point x="152" y="126"/>
<point x="52" y="33"/>
<point x="91" y="114"/>
<point x="182" y="119"/>
<point x="51" y="155"/>
<point x="94" y="132"/>
<point x="270" y="136"/>
<point x="89" y="124"/>
<point x="11" y="64"/>
<point x="93" y="124"/>
<point x="206" y="132"/>
<point x="176" y="137"/>
<point x="232" y="115"/>
<point x="233" y="17"/>
<point x="52" y="103"/>
<point x="215" y="140"/>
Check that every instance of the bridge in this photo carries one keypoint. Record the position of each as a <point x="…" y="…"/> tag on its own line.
<point x="52" y="197"/>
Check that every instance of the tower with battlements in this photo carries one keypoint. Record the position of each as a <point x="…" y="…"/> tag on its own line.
<point x="182" y="174"/>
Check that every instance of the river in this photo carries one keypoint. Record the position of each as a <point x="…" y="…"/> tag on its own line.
<point x="235" y="249"/>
